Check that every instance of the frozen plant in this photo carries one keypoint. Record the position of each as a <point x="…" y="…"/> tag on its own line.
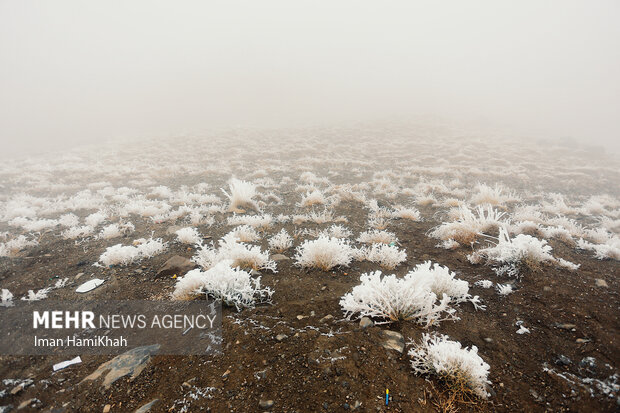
<point x="241" y="255"/>
<point x="260" y="222"/>
<point x="388" y="256"/>
<point x="504" y="289"/>
<point x="222" y="282"/>
<point x="423" y="295"/>
<point x="241" y="194"/>
<point x="15" y="245"/>
<point x="468" y="225"/>
<point x="116" y="230"/>
<point x="281" y="241"/>
<point x="188" y="235"/>
<point x="388" y="299"/>
<point x="39" y="295"/>
<point x="377" y="237"/>
<point x="510" y="254"/>
<point x="315" y="197"/>
<point x="523" y="330"/>
<point x="68" y="220"/>
<point x="245" y="233"/>
<point x="609" y="250"/>
<point x="484" y="283"/>
<point x="6" y="298"/>
<point x="324" y="253"/>
<point x="95" y="219"/>
<point x="127" y="254"/>
<point x="406" y="213"/>
<point x="77" y="232"/>
<point x="462" y="369"/>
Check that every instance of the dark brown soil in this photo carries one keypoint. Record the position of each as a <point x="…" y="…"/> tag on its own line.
<point x="328" y="366"/>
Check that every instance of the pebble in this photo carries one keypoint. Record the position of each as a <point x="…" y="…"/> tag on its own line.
<point x="301" y="317"/>
<point x="562" y="360"/>
<point x="488" y="339"/>
<point x="601" y="283"/>
<point x="265" y="404"/>
<point x="281" y="337"/>
<point x="366" y="322"/>
<point x="327" y="318"/>
<point x="279" y="257"/>
<point x="393" y="340"/>
<point x="107" y="408"/>
<point x="566" y="326"/>
<point x="582" y="340"/>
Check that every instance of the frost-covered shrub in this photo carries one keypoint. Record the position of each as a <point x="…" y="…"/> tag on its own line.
<point x="241" y="194"/>
<point x="34" y="225"/>
<point x="15" y="245"/>
<point x="460" y="367"/>
<point x="484" y="283"/>
<point x="504" y="289"/>
<point x="509" y="255"/>
<point x="6" y="298"/>
<point x="338" y="231"/>
<point x="315" y="197"/>
<point x="127" y="254"/>
<point x="96" y="218"/>
<point x="324" y="253"/>
<point x="609" y="250"/>
<point x="188" y="235"/>
<point x="77" y="232"/>
<point x="281" y="241"/>
<point x="492" y="195"/>
<point x="377" y="237"/>
<point x="245" y="233"/>
<point x="222" y="282"/>
<point x="388" y="256"/>
<point x="406" y="213"/>
<point x="469" y="225"/>
<point x="39" y="295"/>
<point x="69" y="220"/>
<point x="423" y="295"/>
<point x="260" y="222"/>
<point x="116" y="230"/>
<point x="242" y="255"/>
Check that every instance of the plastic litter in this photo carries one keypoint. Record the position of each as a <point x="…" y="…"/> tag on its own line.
<point x="89" y="285"/>
<point x="67" y="363"/>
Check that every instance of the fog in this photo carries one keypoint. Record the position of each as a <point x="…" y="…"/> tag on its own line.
<point x="74" y="71"/>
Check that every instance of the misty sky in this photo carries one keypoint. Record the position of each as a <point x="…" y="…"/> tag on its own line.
<point x="73" y="71"/>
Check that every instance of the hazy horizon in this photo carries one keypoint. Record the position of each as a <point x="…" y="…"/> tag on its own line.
<point x="74" y="72"/>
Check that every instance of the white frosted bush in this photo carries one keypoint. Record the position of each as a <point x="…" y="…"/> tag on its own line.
<point x="504" y="289"/>
<point x="512" y="253"/>
<point x="609" y="250"/>
<point x="461" y="367"/>
<point x="339" y="231"/>
<point x="116" y="230"/>
<point x="241" y="194"/>
<point x="377" y="237"/>
<point x="6" y="298"/>
<point x="406" y="213"/>
<point x="388" y="256"/>
<point x="96" y="218"/>
<point x="245" y="233"/>
<point x="34" y="225"/>
<point x="423" y="295"/>
<point x="242" y="255"/>
<point x="69" y="220"/>
<point x="260" y="222"/>
<point x="15" y="245"/>
<point x="222" y="282"/>
<point x="77" y="232"/>
<point x="315" y="197"/>
<point x="324" y="253"/>
<point x="39" y="295"/>
<point x="281" y="241"/>
<point x="188" y="235"/>
<point x="390" y="299"/>
<point x="469" y="225"/>
<point x="484" y="283"/>
<point x="127" y="254"/>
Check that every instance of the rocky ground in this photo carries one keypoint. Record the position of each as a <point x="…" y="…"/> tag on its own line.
<point x="299" y="354"/>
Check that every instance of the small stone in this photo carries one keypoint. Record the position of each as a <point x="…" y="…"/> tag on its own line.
<point x="326" y="405"/>
<point x="327" y="318"/>
<point x="176" y="265"/>
<point x="279" y="257"/>
<point x="393" y="340"/>
<point x="366" y="322"/>
<point x="301" y="317"/>
<point x="147" y="407"/>
<point x="107" y="408"/>
<point x="265" y="404"/>
<point x="323" y="288"/>
<point x="281" y="337"/>
<point x="346" y="406"/>
<point x="566" y="326"/>
<point x="139" y="271"/>
<point x="488" y="339"/>
<point x="582" y="340"/>
<point x="357" y="405"/>
<point x="226" y="373"/>
<point x="547" y="288"/>
<point x="79" y="274"/>
<point x="601" y="283"/>
<point x="27" y="403"/>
